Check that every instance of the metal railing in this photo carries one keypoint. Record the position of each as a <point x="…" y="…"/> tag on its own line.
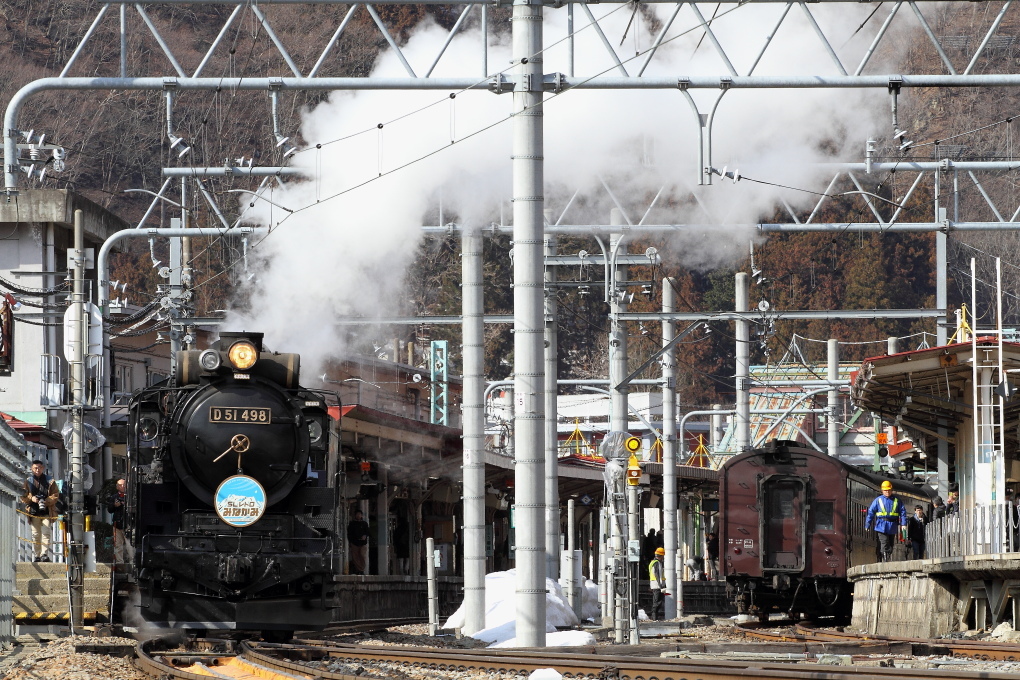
<point x="981" y="530"/>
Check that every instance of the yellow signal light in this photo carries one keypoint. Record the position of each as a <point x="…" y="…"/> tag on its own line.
<point x="633" y="444"/>
<point x="633" y="471"/>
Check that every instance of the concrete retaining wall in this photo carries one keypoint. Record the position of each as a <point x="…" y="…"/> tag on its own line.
<point x="373" y="597"/>
<point x="898" y="599"/>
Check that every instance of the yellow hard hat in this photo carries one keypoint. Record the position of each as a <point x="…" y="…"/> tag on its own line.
<point x="886" y="485"/>
<point x="660" y="551"/>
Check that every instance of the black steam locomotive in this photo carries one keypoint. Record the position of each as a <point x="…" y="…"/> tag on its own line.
<point x="792" y="523"/>
<point x="231" y="494"/>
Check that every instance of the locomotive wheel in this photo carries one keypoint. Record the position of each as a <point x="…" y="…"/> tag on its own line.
<point x="278" y="636"/>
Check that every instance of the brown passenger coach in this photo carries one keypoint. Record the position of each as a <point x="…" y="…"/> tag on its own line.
<point x="791" y="522"/>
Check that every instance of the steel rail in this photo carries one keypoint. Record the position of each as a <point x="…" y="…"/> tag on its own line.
<point x="578" y="664"/>
<point x="972" y="649"/>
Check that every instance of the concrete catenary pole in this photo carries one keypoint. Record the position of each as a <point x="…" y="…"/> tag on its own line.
<point x="617" y="332"/>
<point x="76" y="554"/>
<point x="618" y="423"/>
<point x="669" y="450"/>
<point x="717" y="426"/>
<point x="552" y="491"/>
<point x="474" y="432"/>
<point x="833" y="406"/>
<point x="743" y="368"/>
<point x="529" y="324"/>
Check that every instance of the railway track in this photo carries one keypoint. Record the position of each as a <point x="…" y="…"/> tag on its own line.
<point x="979" y="650"/>
<point x="345" y="662"/>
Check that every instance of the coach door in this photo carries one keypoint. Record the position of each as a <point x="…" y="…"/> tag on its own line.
<point x="782" y="523"/>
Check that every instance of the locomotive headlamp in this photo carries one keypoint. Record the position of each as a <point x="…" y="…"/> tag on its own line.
<point x="147" y="429"/>
<point x="209" y="359"/>
<point x="242" y="355"/>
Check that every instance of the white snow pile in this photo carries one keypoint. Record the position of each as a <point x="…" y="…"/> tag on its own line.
<point x="501" y="613"/>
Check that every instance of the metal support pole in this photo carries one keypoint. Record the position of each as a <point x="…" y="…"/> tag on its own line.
<point x="941" y="337"/>
<point x="605" y="578"/>
<point x="833" y="405"/>
<point x="382" y="525"/>
<point x="79" y="343"/>
<point x="633" y="534"/>
<point x="430" y="569"/>
<point x="717" y="422"/>
<point x="669" y="451"/>
<point x="552" y="491"/>
<point x="529" y="324"/>
<point x="474" y="432"/>
<point x="743" y="368"/>
<point x="573" y="585"/>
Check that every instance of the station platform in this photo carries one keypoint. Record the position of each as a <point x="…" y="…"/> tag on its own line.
<point x="41" y="596"/>
<point x="935" y="597"/>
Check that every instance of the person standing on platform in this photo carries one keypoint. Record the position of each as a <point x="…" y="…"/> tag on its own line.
<point x="887" y="515"/>
<point x="115" y="507"/>
<point x="953" y="503"/>
<point x="357" y="537"/>
<point x="40" y="498"/>
<point x="712" y="549"/>
<point x="915" y="532"/>
<point x="657" y="582"/>
<point x="938" y="509"/>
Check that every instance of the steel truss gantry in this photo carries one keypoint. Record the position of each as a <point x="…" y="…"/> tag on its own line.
<point x="539" y="68"/>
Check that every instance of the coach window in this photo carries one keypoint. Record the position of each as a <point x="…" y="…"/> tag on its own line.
<point x="823" y="515"/>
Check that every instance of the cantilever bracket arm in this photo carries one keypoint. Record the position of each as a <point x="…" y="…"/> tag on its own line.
<point x="672" y="343"/>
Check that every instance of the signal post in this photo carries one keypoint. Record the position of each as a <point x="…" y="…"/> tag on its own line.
<point x="633" y="535"/>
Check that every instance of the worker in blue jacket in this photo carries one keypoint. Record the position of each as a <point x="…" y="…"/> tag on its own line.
<point x="889" y="515"/>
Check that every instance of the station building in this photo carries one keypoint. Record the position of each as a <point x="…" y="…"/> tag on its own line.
<point x="964" y="396"/>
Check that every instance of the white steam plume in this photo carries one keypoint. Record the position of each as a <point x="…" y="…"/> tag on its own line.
<point x="346" y="249"/>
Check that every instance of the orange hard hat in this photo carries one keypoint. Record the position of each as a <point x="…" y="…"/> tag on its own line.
<point x="660" y="551"/>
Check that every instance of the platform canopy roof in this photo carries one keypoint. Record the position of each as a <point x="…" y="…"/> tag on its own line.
<point x="927" y="389"/>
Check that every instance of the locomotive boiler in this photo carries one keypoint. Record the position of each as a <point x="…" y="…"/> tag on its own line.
<point x="231" y="502"/>
<point x="791" y="525"/>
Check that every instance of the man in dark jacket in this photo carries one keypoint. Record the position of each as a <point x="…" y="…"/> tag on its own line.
<point x="915" y="532"/>
<point x="938" y="509"/>
<point x="357" y="538"/>
<point x="115" y="506"/>
<point x="40" y="498"/>
<point x="887" y="515"/>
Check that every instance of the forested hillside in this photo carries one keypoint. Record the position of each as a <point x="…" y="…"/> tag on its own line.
<point x="117" y="141"/>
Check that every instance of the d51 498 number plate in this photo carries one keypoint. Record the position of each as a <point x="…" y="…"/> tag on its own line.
<point x="239" y="414"/>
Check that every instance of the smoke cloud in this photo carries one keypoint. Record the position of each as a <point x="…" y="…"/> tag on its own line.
<point x="357" y="222"/>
